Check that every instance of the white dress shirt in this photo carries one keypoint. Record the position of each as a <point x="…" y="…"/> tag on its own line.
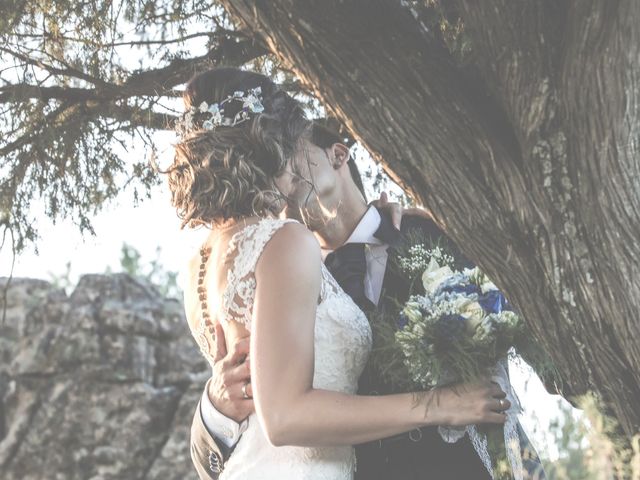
<point x="220" y="426"/>
<point x="229" y="431"/>
<point x="375" y="253"/>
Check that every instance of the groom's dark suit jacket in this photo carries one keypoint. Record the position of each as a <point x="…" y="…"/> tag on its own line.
<point x="425" y="455"/>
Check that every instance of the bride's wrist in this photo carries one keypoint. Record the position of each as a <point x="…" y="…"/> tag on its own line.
<point x="428" y="408"/>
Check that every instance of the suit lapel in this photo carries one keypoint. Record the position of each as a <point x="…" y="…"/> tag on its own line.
<point x="395" y="286"/>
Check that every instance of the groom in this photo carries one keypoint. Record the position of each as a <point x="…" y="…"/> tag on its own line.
<point x="357" y="241"/>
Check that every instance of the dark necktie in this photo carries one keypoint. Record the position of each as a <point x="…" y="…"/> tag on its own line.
<point x="348" y="265"/>
<point x="386" y="232"/>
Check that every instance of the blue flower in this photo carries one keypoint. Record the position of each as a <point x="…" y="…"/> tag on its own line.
<point x="468" y="289"/>
<point x="402" y="321"/>
<point x="448" y="328"/>
<point x="493" y="302"/>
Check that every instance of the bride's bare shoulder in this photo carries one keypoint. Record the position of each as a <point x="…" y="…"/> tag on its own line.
<point x="295" y="238"/>
<point x="290" y="244"/>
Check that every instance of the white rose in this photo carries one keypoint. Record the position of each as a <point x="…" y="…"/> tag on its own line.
<point x="434" y="275"/>
<point x="474" y="314"/>
<point x="460" y="303"/>
<point x="487" y="285"/>
<point x="473" y="310"/>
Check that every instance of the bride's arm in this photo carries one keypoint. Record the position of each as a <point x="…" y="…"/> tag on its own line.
<point x="291" y="411"/>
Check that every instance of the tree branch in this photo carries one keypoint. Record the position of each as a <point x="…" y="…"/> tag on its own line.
<point x="136" y="117"/>
<point x="66" y="72"/>
<point x="93" y="43"/>
<point x="155" y="82"/>
<point x="22" y="92"/>
<point x="158" y="81"/>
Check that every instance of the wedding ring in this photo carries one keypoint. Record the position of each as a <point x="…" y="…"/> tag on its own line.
<point x="502" y="404"/>
<point x="415" y="437"/>
<point x="245" y="395"/>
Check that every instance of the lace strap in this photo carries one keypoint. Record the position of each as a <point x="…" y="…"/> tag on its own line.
<point x="329" y="286"/>
<point x="247" y="246"/>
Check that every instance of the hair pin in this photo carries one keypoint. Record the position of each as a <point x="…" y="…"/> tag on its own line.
<point x="251" y="103"/>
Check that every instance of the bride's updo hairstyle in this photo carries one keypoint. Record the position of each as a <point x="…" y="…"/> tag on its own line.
<point x="229" y="171"/>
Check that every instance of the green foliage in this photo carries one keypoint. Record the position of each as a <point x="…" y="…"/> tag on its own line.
<point x="165" y="281"/>
<point x="444" y="25"/>
<point x="615" y="451"/>
<point x="75" y="97"/>
<point x="83" y="83"/>
<point x="590" y="444"/>
<point x="63" y="280"/>
<point x="571" y="436"/>
<point x="133" y="263"/>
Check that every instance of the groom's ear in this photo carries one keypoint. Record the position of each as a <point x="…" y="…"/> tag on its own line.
<point x="339" y="155"/>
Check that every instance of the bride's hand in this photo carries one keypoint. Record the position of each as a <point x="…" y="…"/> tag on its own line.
<point x="470" y="403"/>
<point x="231" y="373"/>
<point x="396" y="211"/>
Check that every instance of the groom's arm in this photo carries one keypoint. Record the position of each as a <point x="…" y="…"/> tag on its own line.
<point x="207" y="455"/>
<point x="223" y="406"/>
<point x="220" y="417"/>
<point x="224" y="429"/>
<point x="212" y="439"/>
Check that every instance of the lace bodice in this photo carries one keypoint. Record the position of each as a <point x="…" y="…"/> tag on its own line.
<point x="244" y="250"/>
<point x="342" y="343"/>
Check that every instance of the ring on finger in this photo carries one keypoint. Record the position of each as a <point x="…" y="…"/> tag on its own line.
<point x="502" y="404"/>
<point x="245" y="395"/>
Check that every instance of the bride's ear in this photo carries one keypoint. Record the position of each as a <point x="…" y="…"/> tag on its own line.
<point x="339" y="155"/>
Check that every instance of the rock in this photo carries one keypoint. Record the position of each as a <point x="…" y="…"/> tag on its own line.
<point x="101" y="384"/>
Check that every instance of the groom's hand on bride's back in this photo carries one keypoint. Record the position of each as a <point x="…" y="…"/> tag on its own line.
<point x="231" y="372"/>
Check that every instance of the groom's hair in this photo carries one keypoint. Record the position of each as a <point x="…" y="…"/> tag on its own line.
<point x="324" y="137"/>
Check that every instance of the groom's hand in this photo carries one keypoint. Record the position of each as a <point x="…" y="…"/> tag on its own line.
<point x="230" y="375"/>
<point x="396" y="211"/>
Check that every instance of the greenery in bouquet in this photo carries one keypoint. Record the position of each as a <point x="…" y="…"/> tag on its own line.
<point x="454" y="327"/>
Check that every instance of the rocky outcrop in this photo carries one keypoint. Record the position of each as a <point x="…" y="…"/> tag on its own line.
<point x="101" y="384"/>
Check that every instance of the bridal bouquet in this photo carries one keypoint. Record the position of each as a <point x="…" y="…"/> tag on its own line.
<point x="458" y="328"/>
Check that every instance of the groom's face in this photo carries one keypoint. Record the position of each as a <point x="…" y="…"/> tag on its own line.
<point x="310" y="186"/>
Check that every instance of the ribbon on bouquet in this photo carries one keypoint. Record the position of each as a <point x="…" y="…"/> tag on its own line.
<point x="500" y="375"/>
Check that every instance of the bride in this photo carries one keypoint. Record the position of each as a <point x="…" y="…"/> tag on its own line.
<point x="244" y="157"/>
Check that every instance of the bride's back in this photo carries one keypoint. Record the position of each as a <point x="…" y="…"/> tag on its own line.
<point x="341" y="342"/>
<point x="208" y="275"/>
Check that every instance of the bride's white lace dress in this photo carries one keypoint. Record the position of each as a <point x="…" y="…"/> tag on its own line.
<point x="342" y="344"/>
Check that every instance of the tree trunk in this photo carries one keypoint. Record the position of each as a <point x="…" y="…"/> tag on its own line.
<point x="527" y="156"/>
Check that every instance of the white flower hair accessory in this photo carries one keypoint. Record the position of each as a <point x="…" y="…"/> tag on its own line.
<point x="251" y="103"/>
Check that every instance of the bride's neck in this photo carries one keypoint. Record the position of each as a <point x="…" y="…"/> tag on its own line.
<point x="222" y="230"/>
<point x="231" y="223"/>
